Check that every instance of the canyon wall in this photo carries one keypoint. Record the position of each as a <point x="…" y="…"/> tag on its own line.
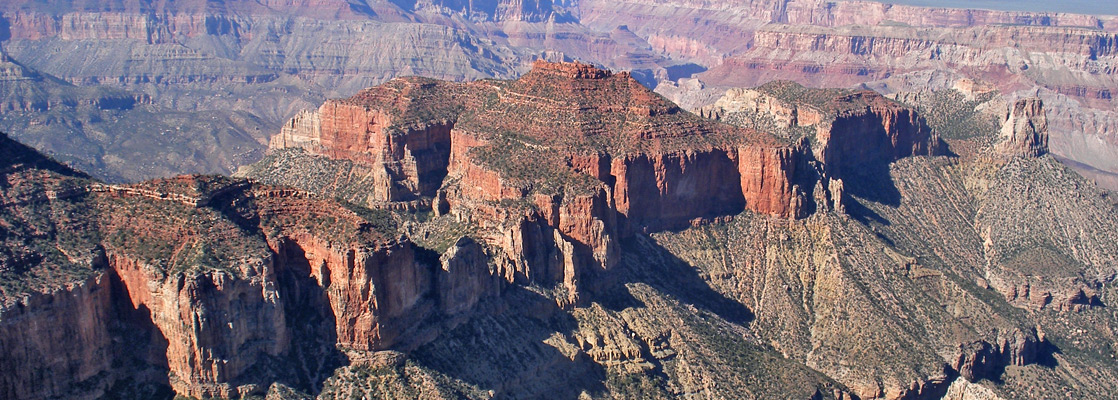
<point x="213" y="325"/>
<point x="55" y="341"/>
<point x="880" y="132"/>
<point x="237" y="278"/>
<point x="1067" y="59"/>
<point x="409" y="161"/>
<point x="839" y="135"/>
<point x="574" y="158"/>
<point x="658" y="181"/>
<point x="252" y="67"/>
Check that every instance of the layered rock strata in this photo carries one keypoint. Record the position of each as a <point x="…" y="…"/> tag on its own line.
<point x="1025" y="129"/>
<point x="251" y="67"/>
<point x="207" y="281"/>
<point x="949" y="273"/>
<point x="846" y="127"/>
<point x="844" y="134"/>
<point x="562" y="162"/>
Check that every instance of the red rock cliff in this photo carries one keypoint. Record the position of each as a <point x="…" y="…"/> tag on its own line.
<point x="562" y="162"/>
<point x="210" y="280"/>
<point x="841" y="134"/>
<point x="53" y="341"/>
<point x="568" y="135"/>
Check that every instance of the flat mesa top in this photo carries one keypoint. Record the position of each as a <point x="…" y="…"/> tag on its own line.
<point x="830" y="101"/>
<point x="569" y="105"/>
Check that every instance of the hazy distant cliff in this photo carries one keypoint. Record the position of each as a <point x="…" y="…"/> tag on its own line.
<point x="248" y="67"/>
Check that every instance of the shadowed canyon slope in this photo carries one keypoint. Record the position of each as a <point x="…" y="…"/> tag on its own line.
<point x="243" y="68"/>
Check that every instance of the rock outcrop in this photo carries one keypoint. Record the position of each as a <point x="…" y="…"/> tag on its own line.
<point x="209" y="279"/>
<point x="568" y="159"/>
<point x="984" y="360"/>
<point x="842" y="134"/>
<point x="250" y="66"/>
<point x="1025" y="129"/>
<point x="365" y="130"/>
<point x="56" y="340"/>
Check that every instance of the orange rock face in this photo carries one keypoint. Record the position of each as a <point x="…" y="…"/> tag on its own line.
<point x="842" y="134"/>
<point x="34" y="333"/>
<point x="208" y="281"/>
<point x="768" y="177"/>
<point x="218" y="324"/>
<point x="1025" y="129"/>
<point x="215" y="326"/>
<point x="409" y="161"/>
<point x="562" y="162"/>
<point x="595" y="153"/>
<point x="367" y="291"/>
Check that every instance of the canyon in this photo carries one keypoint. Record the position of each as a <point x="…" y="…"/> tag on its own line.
<point x="211" y="81"/>
<point x="433" y="200"/>
<point x="861" y="221"/>
<point x="572" y="233"/>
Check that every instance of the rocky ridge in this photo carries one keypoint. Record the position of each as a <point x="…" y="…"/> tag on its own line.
<point x="608" y="157"/>
<point x="211" y="297"/>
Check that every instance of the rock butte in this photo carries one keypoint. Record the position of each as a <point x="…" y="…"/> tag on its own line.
<point x="594" y="154"/>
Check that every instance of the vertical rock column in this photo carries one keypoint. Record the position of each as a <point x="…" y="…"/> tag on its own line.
<point x="769" y="181"/>
<point x="1025" y="130"/>
<point x="51" y="342"/>
<point x="216" y="325"/>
